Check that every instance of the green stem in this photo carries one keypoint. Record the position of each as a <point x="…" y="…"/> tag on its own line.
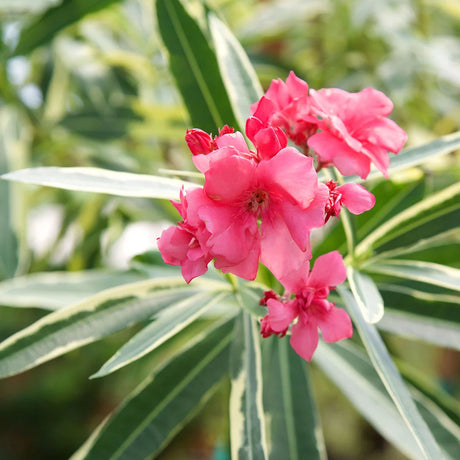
<point x="233" y="280"/>
<point x="346" y="218"/>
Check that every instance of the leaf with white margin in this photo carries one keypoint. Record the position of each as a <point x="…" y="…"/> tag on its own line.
<point x="391" y="378"/>
<point x="87" y="179"/>
<point x="171" y="321"/>
<point x="247" y="425"/>
<point x="367" y="295"/>
<point x="426" y="272"/>
<point x="239" y="76"/>
<point x="91" y="319"/>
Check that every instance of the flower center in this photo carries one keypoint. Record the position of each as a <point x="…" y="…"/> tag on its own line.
<point x="258" y="201"/>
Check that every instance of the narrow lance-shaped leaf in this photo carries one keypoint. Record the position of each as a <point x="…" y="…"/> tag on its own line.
<point x="366" y="294"/>
<point x="44" y="28"/>
<point x="391" y="378"/>
<point x="247" y="427"/>
<point x="194" y="66"/>
<point x="428" y="329"/>
<point x="175" y="318"/>
<point x="363" y="388"/>
<point x="8" y="240"/>
<point x="426" y="272"/>
<point x="55" y="290"/>
<point x="436" y="205"/>
<point x="87" y="179"/>
<point x="238" y="75"/>
<point x="154" y="413"/>
<point x="93" y="318"/>
<point x="348" y="367"/>
<point x="294" y="430"/>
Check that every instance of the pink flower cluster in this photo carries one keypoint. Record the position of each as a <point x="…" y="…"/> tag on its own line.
<point x="260" y="203"/>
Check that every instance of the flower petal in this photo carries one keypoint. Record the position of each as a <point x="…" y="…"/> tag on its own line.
<point x="281" y="314"/>
<point x="279" y="252"/>
<point x="291" y="174"/>
<point x="335" y="324"/>
<point x="356" y="198"/>
<point x="228" y="178"/>
<point x="304" y="339"/>
<point x="328" y="270"/>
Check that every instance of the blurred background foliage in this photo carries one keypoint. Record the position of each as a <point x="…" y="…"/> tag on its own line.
<point x="85" y="83"/>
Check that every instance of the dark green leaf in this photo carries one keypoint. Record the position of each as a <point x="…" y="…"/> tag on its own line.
<point x="194" y="66"/>
<point x="294" y="430"/>
<point x="44" y="28"/>
<point x="163" y="404"/>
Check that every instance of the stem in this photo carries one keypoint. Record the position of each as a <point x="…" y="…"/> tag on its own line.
<point x="233" y="280"/>
<point x="346" y="218"/>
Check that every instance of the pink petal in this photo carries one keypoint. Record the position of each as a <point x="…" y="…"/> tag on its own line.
<point x="296" y="86"/>
<point x="232" y="234"/>
<point x="296" y="280"/>
<point x="356" y="198"/>
<point x="228" y="178"/>
<point x="192" y="268"/>
<point x="384" y="133"/>
<point x="304" y="339"/>
<point x="269" y="141"/>
<point x="328" y="270"/>
<point x="174" y="244"/>
<point x="281" y="314"/>
<point x="292" y="174"/>
<point x="279" y="252"/>
<point x="325" y="145"/>
<point x="246" y="269"/>
<point x="349" y="162"/>
<point x="335" y="325"/>
<point x="235" y="140"/>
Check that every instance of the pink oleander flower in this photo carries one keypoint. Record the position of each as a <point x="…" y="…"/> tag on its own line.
<point x="201" y="143"/>
<point x="285" y="105"/>
<point x="310" y="307"/>
<point x="185" y="244"/>
<point x="354" y="130"/>
<point x="262" y="210"/>
<point x="353" y="196"/>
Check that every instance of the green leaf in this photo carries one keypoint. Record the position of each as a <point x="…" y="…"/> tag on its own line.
<point x="247" y="427"/>
<point x="366" y="294"/>
<point x="426" y="272"/>
<point x="417" y="155"/>
<point x="171" y="321"/>
<point x="44" y="28"/>
<point x="93" y="318"/>
<point x="433" y="330"/>
<point x="8" y="240"/>
<point x="25" y="6"/>
<point x="55" y="290"/>
<point x="351" y="371"/>
<point x="163" y="403"/>
<point x="359" y="382"/>
<point x="99" y="125"/>
<point x="391" y="378"/>
<point x="194" y="66"/>
<point x="427" y="247"/>
<point x="98" y="180"/>
<point x="239" y="77"/>
<point x="294" y="431"/>
<point x="435" y="206"/>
